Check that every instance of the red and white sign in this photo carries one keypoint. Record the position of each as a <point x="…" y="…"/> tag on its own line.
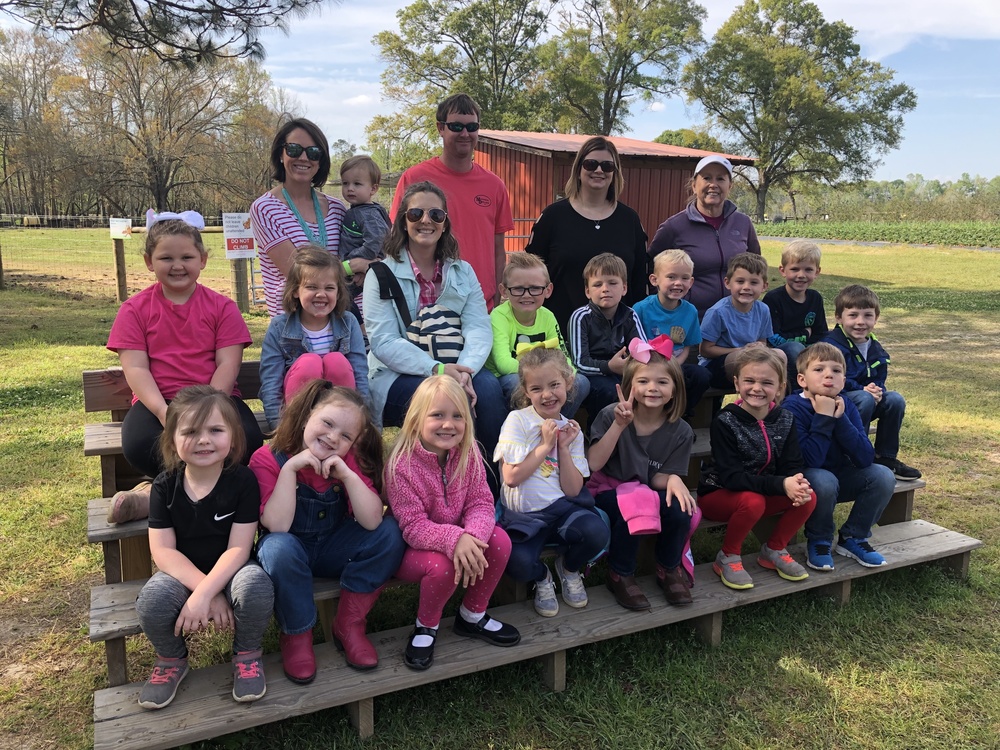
<point x="239" y="236"/>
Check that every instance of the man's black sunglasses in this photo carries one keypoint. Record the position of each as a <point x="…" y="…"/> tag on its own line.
<point x="458" y="127"/>
<point x="294" y="151"/>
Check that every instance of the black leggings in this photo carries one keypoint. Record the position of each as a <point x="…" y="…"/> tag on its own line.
<point x="141" y="432"/>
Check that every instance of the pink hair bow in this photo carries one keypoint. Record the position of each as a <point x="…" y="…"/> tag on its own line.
<point x="640" y="349"/>
<point x="191" y="218"/>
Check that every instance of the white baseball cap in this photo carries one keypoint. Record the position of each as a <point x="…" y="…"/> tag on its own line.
<point x="714" y="159"/>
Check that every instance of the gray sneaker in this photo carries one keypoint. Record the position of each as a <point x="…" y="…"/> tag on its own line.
<point x="248" y="677"/>
<point x="161" y="687"/>
<point x="574" y="593"/>
<point x="546" y="603"/>
<point x="781" y="562"/>
<point x="730" y="569"/>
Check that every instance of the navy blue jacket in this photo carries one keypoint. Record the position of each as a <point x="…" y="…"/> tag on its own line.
<point x="831" y="443"/>
<point x="860" y="370"/>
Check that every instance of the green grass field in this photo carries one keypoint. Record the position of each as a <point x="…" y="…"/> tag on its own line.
<point x="911" y="662"/>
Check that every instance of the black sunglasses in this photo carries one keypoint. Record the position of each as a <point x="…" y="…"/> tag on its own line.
<point x="437" y="215"/>
<point x="458" y="127"/>
<point x="294" y="150"/>
<point x="518" y="291"/>
<point x="591" y="165"/>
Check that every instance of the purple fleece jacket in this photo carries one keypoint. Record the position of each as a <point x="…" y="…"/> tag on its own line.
<point x="710" y="250"/>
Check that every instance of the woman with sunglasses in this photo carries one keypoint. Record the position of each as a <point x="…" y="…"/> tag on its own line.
<point x="711" y="230"/>
<point x="590" y="221"/>
<point x="422" y="253"/>
<point x="294" y="213"/>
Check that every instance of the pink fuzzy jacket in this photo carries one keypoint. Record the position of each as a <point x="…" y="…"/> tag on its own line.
<point x="433" y="513"/>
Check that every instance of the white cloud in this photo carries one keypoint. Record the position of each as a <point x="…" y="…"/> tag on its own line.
<point x="657" y="107"/>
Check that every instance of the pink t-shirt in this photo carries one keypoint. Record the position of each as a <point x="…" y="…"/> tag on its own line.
<point x="273" y="223"/>
<point x="265" y="467"/>
<point x="180" y="340"/>
<point x="479" y="209"/>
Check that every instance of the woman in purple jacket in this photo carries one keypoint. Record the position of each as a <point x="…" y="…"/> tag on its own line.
<point x="711" y="230"/>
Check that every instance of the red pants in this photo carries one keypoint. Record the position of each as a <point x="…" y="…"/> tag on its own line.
<point x="744" y="509"/>
<point x="436" y="575"/>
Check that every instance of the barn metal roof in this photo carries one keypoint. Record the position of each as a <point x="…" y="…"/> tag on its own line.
<point x="570" y="144"/>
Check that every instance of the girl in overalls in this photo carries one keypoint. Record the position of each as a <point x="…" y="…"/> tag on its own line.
<point x="322" y="516"/>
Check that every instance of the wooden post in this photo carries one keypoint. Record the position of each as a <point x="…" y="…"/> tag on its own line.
<point x="238" y="280"/>
<point x="120" y="276"/>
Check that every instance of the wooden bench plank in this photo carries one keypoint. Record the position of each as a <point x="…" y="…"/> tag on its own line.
<point x="204" y="707"/>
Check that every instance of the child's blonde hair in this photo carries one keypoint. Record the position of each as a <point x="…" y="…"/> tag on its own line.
<point x="759" y="355"/>
<point x="672" y="256"/>
<point x="416" y="414"/>
<point x="195" y="404"/>
<point x="524" y="262"/>
<point x="309" y="260"/>
<point x="749" y="262"/>
<point x="856" y="297"/>
<point x="673" y="409"/>
<point x="801" y="251"/>
<point x="367" y="448"/>
<point x="819" y="352"/>
<point x="535" y="358"/>
<point x="605" y="264"/>
<point x="169" y="227"/>
<point x="368" y="163"/>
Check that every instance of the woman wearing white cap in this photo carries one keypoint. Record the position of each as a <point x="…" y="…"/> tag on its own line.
<point x="711" y="230"/>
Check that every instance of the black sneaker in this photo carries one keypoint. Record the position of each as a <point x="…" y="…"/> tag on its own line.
<point x="898" y="468"/>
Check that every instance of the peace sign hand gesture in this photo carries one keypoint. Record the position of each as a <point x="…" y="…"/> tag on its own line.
<point x="623" y="409"/>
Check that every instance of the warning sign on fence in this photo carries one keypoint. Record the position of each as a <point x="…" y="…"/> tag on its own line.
<point x="239" y="236"/>
<point x="121" y="229"/>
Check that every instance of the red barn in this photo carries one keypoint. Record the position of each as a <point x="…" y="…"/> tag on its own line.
<point x="535" y="167"/>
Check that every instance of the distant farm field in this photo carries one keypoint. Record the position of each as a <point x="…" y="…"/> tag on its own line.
<point x="967" y="233"/>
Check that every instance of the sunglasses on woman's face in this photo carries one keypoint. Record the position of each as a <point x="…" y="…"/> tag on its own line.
<point x="591" y="165"/>
<point x="458" y="127"/>
<point x="437" y="215"/>
<point x="294" y="151"/>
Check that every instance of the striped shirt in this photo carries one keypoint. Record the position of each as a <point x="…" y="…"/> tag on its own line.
<point x="273" y="223"/>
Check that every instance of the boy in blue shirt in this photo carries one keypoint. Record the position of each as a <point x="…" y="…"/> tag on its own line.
<point x="839" y="461"/>
<point x="666" y="312"/>
<point x="737" y="322"/>
<point x="856" y="310"/>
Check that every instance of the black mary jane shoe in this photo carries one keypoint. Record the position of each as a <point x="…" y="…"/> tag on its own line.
<point x="420" y="657"/>
<point x="507" y="635"/>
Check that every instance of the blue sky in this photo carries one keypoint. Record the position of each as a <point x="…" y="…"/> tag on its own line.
<point x="948" y="52"/>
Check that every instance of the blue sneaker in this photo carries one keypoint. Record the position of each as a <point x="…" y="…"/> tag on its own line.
<point x="819" y="555"/>
<point x="861" y="551"/>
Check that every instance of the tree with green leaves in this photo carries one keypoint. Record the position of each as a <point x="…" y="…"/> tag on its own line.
<point x="782" y="83"/>
<point x="485" y="48"/>
<point x="187" y="31"/>
<point x="691" y="138"/>
<point x="611" y="53"/>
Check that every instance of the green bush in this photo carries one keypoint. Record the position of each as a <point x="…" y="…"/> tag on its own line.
<point x="968" y="233"/>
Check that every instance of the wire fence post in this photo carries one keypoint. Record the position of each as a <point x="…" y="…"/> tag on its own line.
<point x="238" y="280"/>
<point x="120" y="277"/>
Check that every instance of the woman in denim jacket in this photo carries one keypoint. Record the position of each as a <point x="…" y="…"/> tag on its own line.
<point x="422" y="254"/>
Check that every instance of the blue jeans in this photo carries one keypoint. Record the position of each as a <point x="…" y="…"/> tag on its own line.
<point x="674" y="526"/>
<point x="581" y="389"/>
<point x="889" y="412"/>
<point x="602" y="393"/>
<point x="490" y="410"/>
<point x="870" y="488"/>
<point x="579" y="533"/>
<point x="792" y="350"/>
<point x="363" y="560"/>
<point x="696" y="381"/>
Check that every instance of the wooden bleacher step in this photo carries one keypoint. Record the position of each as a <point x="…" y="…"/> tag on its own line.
<point x="204" y="707"/>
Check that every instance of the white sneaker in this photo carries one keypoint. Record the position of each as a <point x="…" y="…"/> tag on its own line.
<point x="546" y="603"/>
<point x="574" y="593"/>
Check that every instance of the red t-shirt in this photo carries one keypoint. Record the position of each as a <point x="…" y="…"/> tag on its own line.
<point x="180" y="340"/>
<point x="478" y="207"/>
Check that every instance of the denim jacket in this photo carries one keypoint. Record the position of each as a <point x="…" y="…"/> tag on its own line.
<point x="285" y="341"/>
<point x="392" y="354"/>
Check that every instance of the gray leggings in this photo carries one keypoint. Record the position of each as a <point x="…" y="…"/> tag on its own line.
<point x="249" y="593"/>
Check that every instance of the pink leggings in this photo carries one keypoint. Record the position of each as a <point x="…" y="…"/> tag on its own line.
<point x="333" y="367"/>
<point x="436" y="575"/>
<point x="744" y="509"/>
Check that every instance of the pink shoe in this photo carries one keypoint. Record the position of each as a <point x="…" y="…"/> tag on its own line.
<point x="297" y="657"/>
